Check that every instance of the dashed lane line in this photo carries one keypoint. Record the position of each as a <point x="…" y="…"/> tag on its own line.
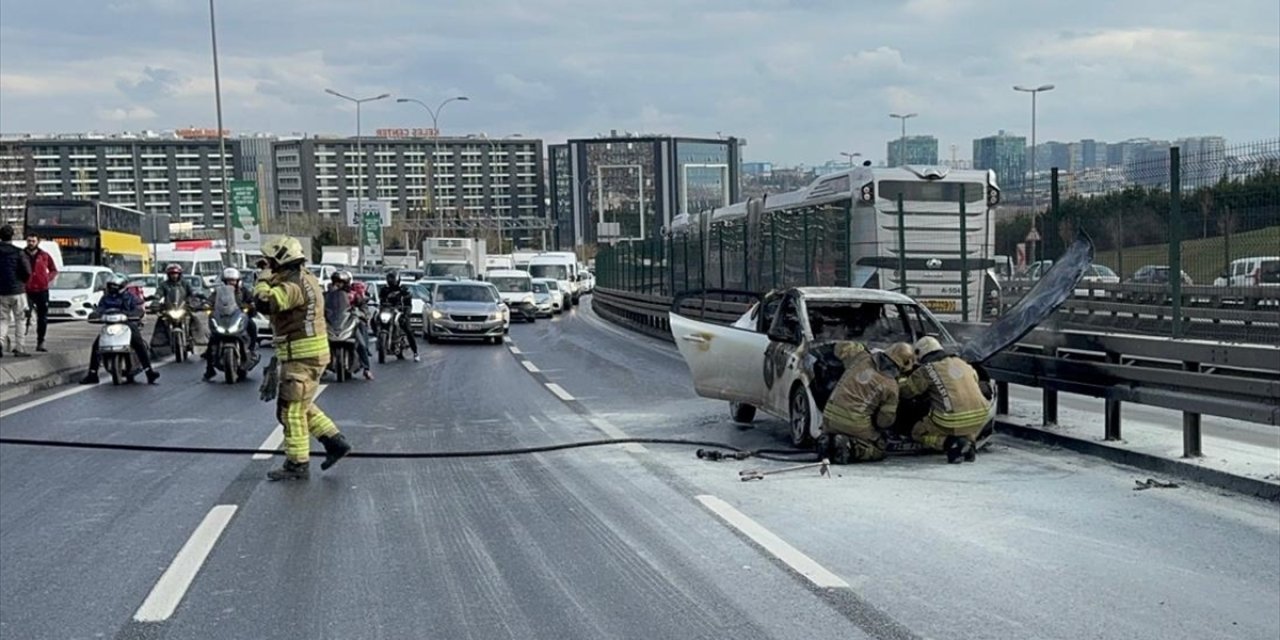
<point x="779" y="548"/>
<point x="177" y="578"/>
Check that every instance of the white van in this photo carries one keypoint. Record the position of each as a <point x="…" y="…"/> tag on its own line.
<point x="206" y="264"/>
<point x="76" y="290"/>
<point x="48" y="246"/>
<point x="563" y="269"/>
<point x="516" y="290"/>
<point x="1263" y="271"/>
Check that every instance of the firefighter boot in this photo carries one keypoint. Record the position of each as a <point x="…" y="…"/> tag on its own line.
<point x="291" y="471"/>
<point x="959" y="448"/>
<point x="335" y="447"/>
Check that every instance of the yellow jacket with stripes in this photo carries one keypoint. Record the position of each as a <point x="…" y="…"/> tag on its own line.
<point x="294" y="301"/>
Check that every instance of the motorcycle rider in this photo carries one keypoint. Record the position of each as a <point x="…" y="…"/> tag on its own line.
<point x="865" y="401"/>
<point x="117" y="299"/>
<point x="244" y="299"/>
<point x="958" y="408"/>
<point x="172" y="282"/>
<point x="397" y="295"/>
<point x="294" y="301"/>
<point x="343" y="281"/>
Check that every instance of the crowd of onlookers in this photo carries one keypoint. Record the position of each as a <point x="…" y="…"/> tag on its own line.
<point x="25" y="276"/>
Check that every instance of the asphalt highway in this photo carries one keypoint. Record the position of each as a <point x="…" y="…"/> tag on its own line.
<point x="613" y="542"/>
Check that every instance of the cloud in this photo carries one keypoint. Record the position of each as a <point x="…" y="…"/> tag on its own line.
<point x="126" y="114"/>
<point x="521" y="88"/>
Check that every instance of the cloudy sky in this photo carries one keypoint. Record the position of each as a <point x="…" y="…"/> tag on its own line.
<point x="801" y="80"/>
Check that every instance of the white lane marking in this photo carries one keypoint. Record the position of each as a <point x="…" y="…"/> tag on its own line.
<point x="559" y="392"/>
<point x="802" y="564"/>
<point x="514" y="349"/>
<point x="276" y="437"/>
<point x="177" y="578"/>
<point x="530" y="366"/>
<point x="79" y="388"/>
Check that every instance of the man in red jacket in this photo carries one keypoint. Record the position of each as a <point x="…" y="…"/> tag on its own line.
<point x="43" y="271"/>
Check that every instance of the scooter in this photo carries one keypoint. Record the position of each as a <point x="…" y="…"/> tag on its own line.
<point x="342" y="323"/>
<point x="391" y="338"/>
<point x="115" y="347"/>
<point x="229" y="338"/>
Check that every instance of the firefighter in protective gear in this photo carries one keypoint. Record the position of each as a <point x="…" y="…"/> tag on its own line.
<point x="958" y="409"/>
<point x="865" y="401"/>
<point x="294" y="301"/>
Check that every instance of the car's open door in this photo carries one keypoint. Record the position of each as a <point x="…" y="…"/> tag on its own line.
<point x="726" y="362"/>
<point x="1053" y="289"/>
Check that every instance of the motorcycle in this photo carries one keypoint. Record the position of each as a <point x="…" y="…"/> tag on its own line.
<point x="343" y="323"/>
<point x="115" y="347"/>
<point x="176" y="316"/>
<point x="229" y="337"/>
<point x="391" y="337"/>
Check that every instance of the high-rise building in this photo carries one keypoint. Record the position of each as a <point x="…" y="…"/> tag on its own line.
<point x="631" y="186"/>
<point x="479" y="183"/>
<point x="921" y="149"/>
<point x="255" y="162"/>
<point x="174" y="173"/>
<point x="1007" y="156"/>
<point x="757" y="169"/>
<point x="1207" y="146"/>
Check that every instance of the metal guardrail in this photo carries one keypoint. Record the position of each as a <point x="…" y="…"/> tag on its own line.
<point x="1249" y="314"/>
<point x="1194" y="377"/>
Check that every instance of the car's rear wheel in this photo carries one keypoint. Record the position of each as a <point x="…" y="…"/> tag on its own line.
<point x="742" y="412"/>
<point x="800" y="418"/>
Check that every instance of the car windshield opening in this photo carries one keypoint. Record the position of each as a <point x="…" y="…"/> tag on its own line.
<point x="540" y="287"/>
<point x="511" y="285"/>
<point x="557" y="271"/>
<point x="873" y="323"/>
<point x="464" y="294"/>
<point x="72" y="280"/>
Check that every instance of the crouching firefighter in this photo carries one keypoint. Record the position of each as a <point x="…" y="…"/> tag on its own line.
<point x="958" y="409"/>
<point x="864" y="404"/>
<point x="294" y="301"/>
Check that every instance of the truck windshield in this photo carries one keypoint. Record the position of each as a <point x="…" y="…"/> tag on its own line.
<point x="458" y="269"/>
<point x="555" y="271"/>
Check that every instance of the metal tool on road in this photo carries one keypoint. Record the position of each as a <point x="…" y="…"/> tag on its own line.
<point x="824" y="470"/>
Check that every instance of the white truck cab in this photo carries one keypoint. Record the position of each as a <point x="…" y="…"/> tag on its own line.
<point x="561" y="267"/>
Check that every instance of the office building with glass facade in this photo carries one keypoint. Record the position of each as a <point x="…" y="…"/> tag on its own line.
<point x="622" y="187"/>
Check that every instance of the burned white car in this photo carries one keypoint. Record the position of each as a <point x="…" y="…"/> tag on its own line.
<point x="779" y="356"/>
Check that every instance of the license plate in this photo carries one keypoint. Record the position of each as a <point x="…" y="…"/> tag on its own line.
<point x="469" y="326"/>
<point x="940" y="306"/>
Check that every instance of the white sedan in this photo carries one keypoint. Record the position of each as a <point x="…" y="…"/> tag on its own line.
<point x="771" y="358"/>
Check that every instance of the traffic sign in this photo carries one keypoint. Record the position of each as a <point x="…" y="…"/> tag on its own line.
<point x="244" y="212"/>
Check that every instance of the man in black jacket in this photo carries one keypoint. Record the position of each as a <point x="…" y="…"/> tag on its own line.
<point x="14" y="273"/>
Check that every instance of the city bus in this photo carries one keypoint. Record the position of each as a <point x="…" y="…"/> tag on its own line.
<point x="90" y="232"/>
<point x="844" y="229"/>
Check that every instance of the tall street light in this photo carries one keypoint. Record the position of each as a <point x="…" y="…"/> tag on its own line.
<point x="222" y="139"/>
<point x="902" y="145"/>
<point x="435" y="141"/>
<point x="850" y="156"/>
<point x="1035" y="212"/>
<point x="363" y="168"/>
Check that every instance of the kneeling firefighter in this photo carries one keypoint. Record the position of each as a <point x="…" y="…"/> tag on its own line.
<point x="958" y="409"/>
<point x="294" y="301"/>
<point x="864" y="403"/>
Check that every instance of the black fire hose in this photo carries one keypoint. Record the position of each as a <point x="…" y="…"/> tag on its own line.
<point x="707" y="450"/>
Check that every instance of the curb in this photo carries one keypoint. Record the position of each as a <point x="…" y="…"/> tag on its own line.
<point x="1148" y="462"/>
<point x="22" y="377"/>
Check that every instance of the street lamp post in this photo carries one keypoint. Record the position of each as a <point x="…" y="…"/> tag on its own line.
<point x="850" y="156"/>
<point x="222" y="139"/>
<point x="1035" y="212"/>
<point x="902" y="144"/>
<point x="435" y="142"/>
<point x="362" y="167"/>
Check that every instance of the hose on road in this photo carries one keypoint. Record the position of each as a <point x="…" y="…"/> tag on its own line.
<point x="706" y="450"/>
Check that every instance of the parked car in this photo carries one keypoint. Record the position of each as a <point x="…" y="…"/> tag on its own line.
<point x="1251" y="272"/>
<point x="465" y="310"/>
<point x="1099" y="274"/>
<point x="1156" y="274"/>
<point x="76" y="290"/>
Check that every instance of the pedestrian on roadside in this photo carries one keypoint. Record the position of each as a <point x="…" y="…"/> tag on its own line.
<point x="14" y="273"/>
<point x="43" y="271"/>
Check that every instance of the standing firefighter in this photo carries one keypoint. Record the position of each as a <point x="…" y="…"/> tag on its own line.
<point x="958" y="409"/>
<point x="865" y="401"/>
<point x="294" y="300"/>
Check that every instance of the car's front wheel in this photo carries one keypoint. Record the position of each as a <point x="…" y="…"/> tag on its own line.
<point x="801" y="418"/>
<point x="742" y="412"/>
